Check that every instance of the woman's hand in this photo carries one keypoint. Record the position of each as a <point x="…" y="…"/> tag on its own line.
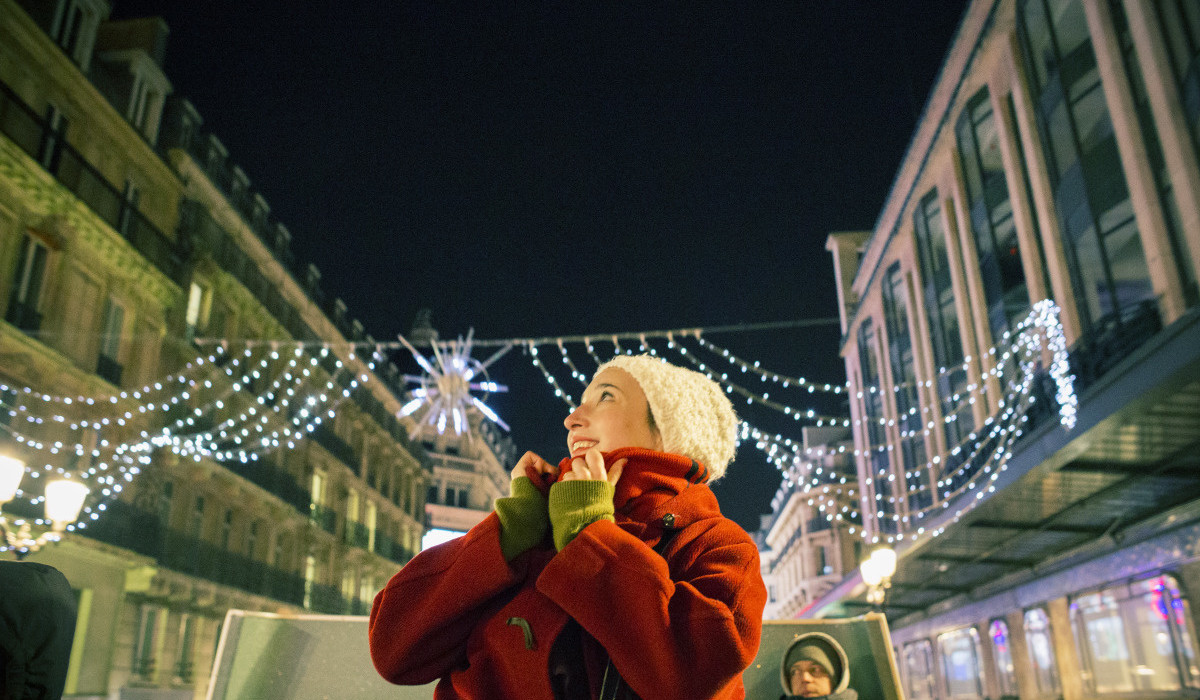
<point x="539" y="471"/>
<point x="591" y="467"/>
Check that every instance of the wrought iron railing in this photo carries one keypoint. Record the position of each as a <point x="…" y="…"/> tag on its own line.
<point x="324" y="517"/>
<point x="142" y="532"/>
<point x="34" y="136"/>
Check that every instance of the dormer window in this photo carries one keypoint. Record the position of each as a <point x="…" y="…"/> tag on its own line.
<point x="74" y="28"/>
<point x="129" y="71"/>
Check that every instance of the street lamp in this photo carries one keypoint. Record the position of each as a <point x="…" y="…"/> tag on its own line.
<point x="877" y="571"/>
<point x="64" y="500"/>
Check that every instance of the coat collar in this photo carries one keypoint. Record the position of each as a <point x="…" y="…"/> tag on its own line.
<point x="655" y="484"/>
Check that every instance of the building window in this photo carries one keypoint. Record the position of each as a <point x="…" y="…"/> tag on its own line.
<point x="464" y="498"/>
<point x="319" y="479"/>
<point x="877" y="447"/>
<point x="53" y="139"/>
<point x="918" y="667"/>
<point x="372" y="524"/>
<point x="187" y="645"/>
<point x="349" y="590"/>
<point x="108" y="365"/>
<point x="196" y="526"/>
<point x="1104" y="249"/>
<point x="991" y="217"/>
<point x="310" y="576"/>
<point x="945" y="335"/>
<point x="226" y="529"/>
<point x="252" y="539"/>
<point x="164" y="505"/>
<point x="917" y="481"/>
<point x="145" y="641"/>
<point x="1006" y="674"/>
<point x="199" y="303"/>
<point x="129" y="207"/>
<point x="451" y="495"/>
<point x="1180" y="22"/>
<point x="1041" y="651"/>
<point x="1135" y="637"/>
<point x="432" y="496"/>
<point x="1154" y="153"/>
<point x="959" y="652"/>
<point x="74" y="30"/>
<point x="25" y="299"/>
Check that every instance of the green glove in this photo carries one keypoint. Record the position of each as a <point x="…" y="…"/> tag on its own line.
<point x="523" y="518"/>
<point x="576" y="504"/>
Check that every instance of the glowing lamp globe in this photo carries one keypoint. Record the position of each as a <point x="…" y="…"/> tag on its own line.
<point x="872" y="575"/>
<point x="886" y="558"/>
<point x="11" y="471"/>
<point x="64" y="500"/>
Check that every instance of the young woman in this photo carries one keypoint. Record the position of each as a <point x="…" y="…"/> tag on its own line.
<point x="613" y="574"/>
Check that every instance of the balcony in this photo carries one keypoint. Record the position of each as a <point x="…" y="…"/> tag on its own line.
<point x="324" y="517"/>
<point x="32" y="135"/>
<point x="390" y="549"/>
<point x="276" y="481"/>
<point x="124" y="526"/>
<point x="24" y="317"/>
<point x="325" y="436"/>
<point x="356" y="535"/>
<point x="327" y="599"/>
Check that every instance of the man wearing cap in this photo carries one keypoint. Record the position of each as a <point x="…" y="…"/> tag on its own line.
<point x="816" y="666"/>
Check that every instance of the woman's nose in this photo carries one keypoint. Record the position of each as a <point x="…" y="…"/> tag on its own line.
<point x="574" y="419"/>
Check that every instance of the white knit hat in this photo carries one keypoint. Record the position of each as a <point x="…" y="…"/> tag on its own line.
<point x="693" y="415"/>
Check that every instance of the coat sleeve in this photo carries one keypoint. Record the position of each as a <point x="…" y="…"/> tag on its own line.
<point x="421" y="619"/>
<point x="686" y="638"/>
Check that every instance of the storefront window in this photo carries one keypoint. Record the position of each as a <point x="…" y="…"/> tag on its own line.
<point x="1136" y="637"/>
<point x="1006" y="674"/>
<point x="918" y="668"/>
<point x="959" y="654"/>
<point x="1041" y="650"/>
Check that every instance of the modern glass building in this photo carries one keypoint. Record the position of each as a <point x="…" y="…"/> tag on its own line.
<point x="1042" y="552"/>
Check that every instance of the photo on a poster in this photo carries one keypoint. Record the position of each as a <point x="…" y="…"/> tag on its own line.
<point x="866" y="641"/>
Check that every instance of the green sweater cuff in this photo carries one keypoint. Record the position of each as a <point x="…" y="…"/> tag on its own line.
<point x="576" y="504"/>
<point x="523" y="519"/>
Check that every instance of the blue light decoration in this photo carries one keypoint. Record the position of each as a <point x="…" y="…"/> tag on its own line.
<point x="444" y="390"/>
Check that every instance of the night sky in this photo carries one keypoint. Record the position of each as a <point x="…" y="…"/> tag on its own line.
<point x="532" y="169"/>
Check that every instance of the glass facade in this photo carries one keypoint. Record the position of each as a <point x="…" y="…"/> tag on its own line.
<point x="945" y="335"/>
<point x="1154" y="152"/>
<point x="991" y="212"/>
<point x="1104" y="251"/>
<point x="1180" y="22"/>
<point x="1135" y="637"/>
<point x="908" y="407"/>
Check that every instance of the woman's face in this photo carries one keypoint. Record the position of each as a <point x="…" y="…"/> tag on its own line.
<point x="613" y="413"/>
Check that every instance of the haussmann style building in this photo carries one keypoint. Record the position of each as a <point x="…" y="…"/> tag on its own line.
<point x="240" y="434"/>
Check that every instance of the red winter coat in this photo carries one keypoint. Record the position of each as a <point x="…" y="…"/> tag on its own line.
<point x="684" y="627"/>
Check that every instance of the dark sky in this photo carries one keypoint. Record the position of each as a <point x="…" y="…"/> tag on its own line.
<point x="532" y="169"/>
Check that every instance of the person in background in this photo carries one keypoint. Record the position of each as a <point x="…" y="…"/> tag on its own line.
<point x="37" y="627"/>
<point x="612" y="574"/>
<point x="816" y="666"/>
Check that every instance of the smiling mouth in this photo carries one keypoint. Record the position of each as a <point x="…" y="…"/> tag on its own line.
<point x="582" y="445"/>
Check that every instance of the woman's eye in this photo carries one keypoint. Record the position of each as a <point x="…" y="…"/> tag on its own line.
<point x="605" y="395"/>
